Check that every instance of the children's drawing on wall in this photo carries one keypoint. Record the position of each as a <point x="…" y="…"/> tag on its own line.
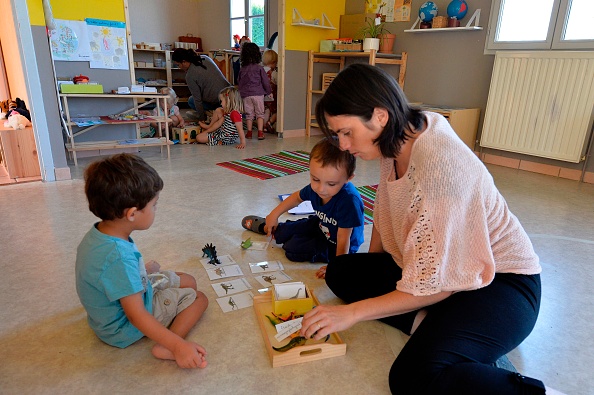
<point x="107" y="41"/>
<point x="391" y="10"/>
<point x="69" y="41"/>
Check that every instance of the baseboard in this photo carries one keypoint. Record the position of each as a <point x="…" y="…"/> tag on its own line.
<point x="301" y="133"/>
<point x="62" y="173"/>
<point x="540" y="168"/>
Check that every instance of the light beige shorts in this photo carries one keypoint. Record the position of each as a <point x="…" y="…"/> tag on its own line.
<point x="169" y="302"/>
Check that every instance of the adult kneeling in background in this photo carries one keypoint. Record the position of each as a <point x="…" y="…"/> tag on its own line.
<point x="204" y="80"/>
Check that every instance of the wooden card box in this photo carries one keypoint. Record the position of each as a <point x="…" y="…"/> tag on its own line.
<point x="312" y="350"/>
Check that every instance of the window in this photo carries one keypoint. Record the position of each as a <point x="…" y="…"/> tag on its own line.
<point x="247" y="19"/>
<point x="541" y="24"/>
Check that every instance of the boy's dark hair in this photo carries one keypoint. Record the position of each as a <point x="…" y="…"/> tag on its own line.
<point x="358" y="90"/>
<point x="327" y="152"/>
<point x="118" y="182"/>
<point x="250" y="53"/>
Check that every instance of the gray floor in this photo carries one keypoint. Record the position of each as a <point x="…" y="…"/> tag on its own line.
<point x="47" y="347"/>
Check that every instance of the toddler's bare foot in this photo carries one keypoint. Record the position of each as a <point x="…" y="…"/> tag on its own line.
<point x="161" y="352"/>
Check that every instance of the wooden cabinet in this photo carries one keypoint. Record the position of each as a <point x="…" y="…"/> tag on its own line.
<point x="157" y="68"/>
<point x="339" y="58"/>
<point x="19" y="152"/>
<point x="464" y="121"/>
<point x="75" y="130"/>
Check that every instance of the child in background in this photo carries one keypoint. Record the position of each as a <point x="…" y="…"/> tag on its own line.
<point x="225" y="125"/>
<point x="270" y="60"/>
<point x="112" y="281"/>
<point x="253" y="85"/>
<point x="176" y="119"/>
<point x="337" y="226"/>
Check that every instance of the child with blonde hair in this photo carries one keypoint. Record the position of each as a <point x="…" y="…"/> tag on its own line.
<point x="225" y="125"/>
<point x="177" y="120"/>
<point x="270" y="61"/>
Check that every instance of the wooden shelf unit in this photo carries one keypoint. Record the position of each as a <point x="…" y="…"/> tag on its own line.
<point x="339" y="58"/>
<point x="19" y="152"/>
<point x="464" y="121"/>
<point x="167" y="73"/>
<point x="72" y="146"/>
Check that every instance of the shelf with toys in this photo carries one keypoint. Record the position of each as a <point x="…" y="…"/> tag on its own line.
<point x="153" y="67"/>
<point x="471" y="25"/>
<point x="77" y="127"/>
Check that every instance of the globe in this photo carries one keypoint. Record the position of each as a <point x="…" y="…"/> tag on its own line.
<point x="427" y="11"/>
<point x="457" y="9"/>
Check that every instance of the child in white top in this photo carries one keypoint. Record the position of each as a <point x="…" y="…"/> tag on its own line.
<point x="177" y="120"/>
<point x="226" y="125"/>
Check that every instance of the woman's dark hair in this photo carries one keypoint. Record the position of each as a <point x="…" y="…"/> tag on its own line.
<point x="250" y="53"/>
<point x="358" y="90"/>
<point x="328" y="154"/>
<point x="119" y="182"/>
<point x="188" y="55"/>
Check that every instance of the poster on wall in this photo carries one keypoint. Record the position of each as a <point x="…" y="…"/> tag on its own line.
<point x="107" y="40"/>
<point x="69" y="41"/>
<point x="393" y="10"/>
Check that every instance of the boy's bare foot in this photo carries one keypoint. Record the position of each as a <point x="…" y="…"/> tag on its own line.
<point x="161" y="352"/>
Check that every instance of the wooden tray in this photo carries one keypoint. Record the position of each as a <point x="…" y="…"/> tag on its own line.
<point x="312" y="350"/>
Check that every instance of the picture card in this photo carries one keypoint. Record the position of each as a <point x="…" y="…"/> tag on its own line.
<point x="231" y="287"/>
<point x="287" y="328"/>
<point x="286" y="291"/>
<point x="236" y="302"/>
<point x="304" y="207"/>
<point x="268" y="279"/>
<point x="259" y="245"/>
<point x="224" y="259"/>
<point x="266" y="266"/>
<point x="224" y="272"/>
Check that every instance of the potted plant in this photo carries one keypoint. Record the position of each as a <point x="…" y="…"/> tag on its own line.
<point x="375" y="35"/>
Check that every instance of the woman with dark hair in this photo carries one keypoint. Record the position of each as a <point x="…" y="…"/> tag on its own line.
<point x="448" y="263"/>
<point x="204" y="80"/>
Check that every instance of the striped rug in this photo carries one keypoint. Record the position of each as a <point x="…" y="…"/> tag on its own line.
<point x="271" y="166"/>
<point x="368" y="195"/>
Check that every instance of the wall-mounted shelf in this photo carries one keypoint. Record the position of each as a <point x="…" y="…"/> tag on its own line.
<point x="324" y="23"/>
<point x="469" y="25"/>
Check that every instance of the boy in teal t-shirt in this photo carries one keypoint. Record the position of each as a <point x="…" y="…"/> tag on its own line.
<point x="125" y="298"/>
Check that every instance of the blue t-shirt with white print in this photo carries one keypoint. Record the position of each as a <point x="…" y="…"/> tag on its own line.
<point x="344" y="210"/>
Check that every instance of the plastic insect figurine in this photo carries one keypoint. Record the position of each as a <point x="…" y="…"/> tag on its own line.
<point x="210" y="251"/>
<point x="246" y="244"/>
<point x="296" y="341"/>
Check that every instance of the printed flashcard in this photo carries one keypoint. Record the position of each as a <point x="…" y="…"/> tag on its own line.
<point x="231" y="287"/>
<point x="286" y="291"/>
<point x="266" y="266"/>
<point x="259" y="245"/>
<point x="268" y="279"/>
<point x="287" y="328"/>
<point x="223" y="259"/>
<point x="224" y="272"/>
<point x="236" y="302"/>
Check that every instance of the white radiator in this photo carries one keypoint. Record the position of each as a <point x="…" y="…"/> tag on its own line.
<point x="540" y="103"/>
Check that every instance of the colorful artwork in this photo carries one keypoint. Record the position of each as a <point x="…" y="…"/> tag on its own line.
<point x="393" y="10"/>
<point x="107" y="41"/>
<point x="69" y="41"/>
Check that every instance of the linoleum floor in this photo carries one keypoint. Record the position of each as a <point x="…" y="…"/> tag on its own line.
<point x="46" y="346"/>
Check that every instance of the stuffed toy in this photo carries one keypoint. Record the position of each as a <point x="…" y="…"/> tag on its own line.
<point x="17" y="105"/>
<point x="16" y="121"/>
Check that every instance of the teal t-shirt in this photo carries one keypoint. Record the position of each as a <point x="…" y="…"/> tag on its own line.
<point x="108" y="269"/>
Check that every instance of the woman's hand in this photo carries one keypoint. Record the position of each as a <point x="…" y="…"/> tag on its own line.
<point x="323" y="320"/>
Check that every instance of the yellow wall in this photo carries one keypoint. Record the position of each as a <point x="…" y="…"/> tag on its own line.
<point x="112" y="10"/>
<point x="304" y="38"/>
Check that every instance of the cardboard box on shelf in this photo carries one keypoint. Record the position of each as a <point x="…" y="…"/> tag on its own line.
<point x="350" y="25"/>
